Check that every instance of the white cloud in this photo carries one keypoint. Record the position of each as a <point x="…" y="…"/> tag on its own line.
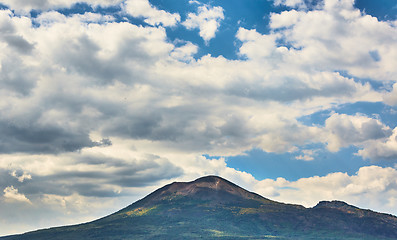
<point x="12" y="194"/>
<point x="141" y="60"/>
<point x="285" y="19"/>
<point x="290" y="3"/>
<point x="25" y="6"/>
<point x="391" y="97"/>
<point x="185" y="52"/>
<point x="345" y="130"/>
<point x="21" y="177"/>
<point x="334" y="5"/>
<point x="152" y="16"/>
<point x="381" y="149"/>
<point x="339" y="37"/>
<point x="207" y="20"/>
<point x="194" y="113"/>
<point x="256" y="45"/>
<point x="194" y="2"/>
<point x="307" y="155"/>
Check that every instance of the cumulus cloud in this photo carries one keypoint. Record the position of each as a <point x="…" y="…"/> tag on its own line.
<point x="15" y="48"/>
<point x="252" y="40"/>
<point x="345" y="130"/>
<point x="180" y="116"/>
<point x="320" y="37"/>
<point x="152" y="16"/>
<point x="185" y="52"/>
<point x="383" y="149"/>
<point x="21" y="176"/>
<point x="307" y="155"/>
<point x="285" y="19"/>
<point x="289" y="3"/>
<point x="207" y="20"/>
<point x="25" y="6"/>
<point x="12" y="194"/>
<point x="391" y="97"/>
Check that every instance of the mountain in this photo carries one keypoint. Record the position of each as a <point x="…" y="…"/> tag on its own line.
<point x="214" y="208"/>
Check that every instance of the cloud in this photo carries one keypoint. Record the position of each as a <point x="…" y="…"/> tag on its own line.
<point x="285" y="19"/>
<point x="38" y="138"/>
<point x="207" y="20"/>
<point x="140" y="60"/>
<point x="11" y="194"/>
<point x="21" y="176"/>
<point x="152" y="16"/>
<point x="307" y="155"/>
<point x="45" y="116"/>
<point x="91" y="175"/>
<point x="252" y="39"/>
<point x="185" y="52"/>
<point x="289" y="3"/>
<point x="25" y="6"/>
<point x="320" y="37"/>
<point x="381" y="149"/>
<point x="345" y="130"/>
<point x="15" y="47"/>
<point x="391" y="97"/>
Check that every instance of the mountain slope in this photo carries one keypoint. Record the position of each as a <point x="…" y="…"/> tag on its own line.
<point x="214" y="208"/>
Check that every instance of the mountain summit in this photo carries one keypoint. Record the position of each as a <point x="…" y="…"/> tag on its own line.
<point x="213" y="188"/>
<point x="214" y="208"/>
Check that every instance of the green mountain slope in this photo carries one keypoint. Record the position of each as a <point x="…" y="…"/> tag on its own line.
<point x="214" y="208"/>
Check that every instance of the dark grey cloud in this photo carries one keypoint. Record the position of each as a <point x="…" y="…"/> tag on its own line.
<point x="19" y="44"/>
<point x="6" y="179"/>
<point x="36" y="138"/>
<point x="156" y="124"/>
<point x="171" y="125"/>
<point x="126" y="64"/>
<point x="9" y="35"/>
<point x="80" y="55"/>
<point x="15" y="77"/>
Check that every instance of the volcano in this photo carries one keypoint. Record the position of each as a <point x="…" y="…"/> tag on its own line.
<point x="214" y="208"/>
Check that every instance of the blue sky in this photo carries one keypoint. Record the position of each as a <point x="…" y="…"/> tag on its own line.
<point x="104" y="101"/>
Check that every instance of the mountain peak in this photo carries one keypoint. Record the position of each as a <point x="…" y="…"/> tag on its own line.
<point x="342" y="206"/>
<point x="210" y="178"/>
<point x="212" y="188"/>
<point x="332" y="204"/>
<point x="215" y="183"/>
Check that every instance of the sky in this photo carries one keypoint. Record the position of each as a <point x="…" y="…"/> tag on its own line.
<point x="104" y="101"/>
